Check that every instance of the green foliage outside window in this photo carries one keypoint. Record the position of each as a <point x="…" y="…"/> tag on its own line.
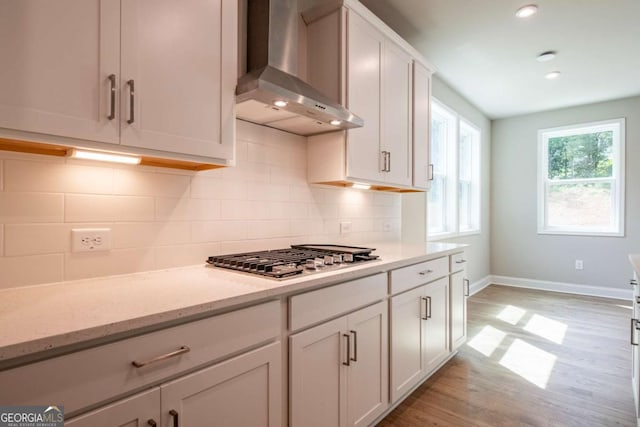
<point x="581" y="156"/>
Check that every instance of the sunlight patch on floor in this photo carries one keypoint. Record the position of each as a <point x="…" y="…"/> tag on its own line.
<point x="487" y="340"/>
<point x="530" y="362"/>
<point x="547" y="328"/>
<point x="511" y="314"/>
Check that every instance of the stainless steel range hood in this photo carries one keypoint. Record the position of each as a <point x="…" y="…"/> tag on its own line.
<point x="271" y="93"/>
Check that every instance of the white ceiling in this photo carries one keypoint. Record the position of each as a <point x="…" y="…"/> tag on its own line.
<point x="489" y="56"/>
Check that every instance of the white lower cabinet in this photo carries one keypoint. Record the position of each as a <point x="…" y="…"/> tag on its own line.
<point x="419" y="334"/>
<point x="459" y="294"/>
<point x="243" y="391"/>
<point x="142" y="409"/>
<point x="339" y="370"/>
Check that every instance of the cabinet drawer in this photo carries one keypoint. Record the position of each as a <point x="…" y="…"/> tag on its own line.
<point x="409" y="277"/>
<point x="458" y="262"/>
<point x="90" y="376"/>
<point x="314" y="307"/>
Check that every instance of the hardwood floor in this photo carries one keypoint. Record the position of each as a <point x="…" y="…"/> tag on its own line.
<point x="532" y="358"/>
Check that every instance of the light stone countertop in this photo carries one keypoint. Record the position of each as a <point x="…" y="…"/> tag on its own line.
<point x="635" y="262"/>
<point x="42" y="318"/>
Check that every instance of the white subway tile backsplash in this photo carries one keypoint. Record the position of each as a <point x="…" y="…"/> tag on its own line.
<point x="119" y="261"/>
<point x="31" y="207"/>
<point x="134" y="183"/>
<point x="42" y="176"/>
<point x="31" y="270"/>
<point x="167" y="218"/>
<point x="91" y="208"/>
<point x="214" y="231"/>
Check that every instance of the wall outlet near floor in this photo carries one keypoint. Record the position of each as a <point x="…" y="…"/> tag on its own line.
<point x="345" y="227"/>
<point x="579" y="264"/>
<point x="90" y="239"/>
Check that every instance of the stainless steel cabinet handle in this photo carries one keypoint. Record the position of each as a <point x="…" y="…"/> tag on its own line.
<point x="174" y="415"/>
<point x="633" y="282"/>
<point x="633" y="323"/>
<point x="389" y="162"/>
<point x="152" y="423"/>
<point x="430" y="172"/>
<point x="355" y="346"/>
<point x="112" y="97"/>
<point x="638" y="299"/>
<point x="425" y="272"/>
<point x="383" y="159"/>
<point x="181" y="350"/>
<point x="466" y="283"/>
<point x="429" y="307"/>
<point x="461" y="261"/>
<point x="426" y="310"/>
<point x="348" y="362"/>
<point x="132" y="97"/>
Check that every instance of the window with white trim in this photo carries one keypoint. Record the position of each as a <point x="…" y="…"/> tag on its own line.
<point x="454" y="199"/>
<point x="581" y="179"/>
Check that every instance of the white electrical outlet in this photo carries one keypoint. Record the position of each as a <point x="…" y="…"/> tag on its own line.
<point x="90" y="239"/>
<point x="386" y="226"/>
<point x="345" y="227"/>
<point x="579" y="264"/>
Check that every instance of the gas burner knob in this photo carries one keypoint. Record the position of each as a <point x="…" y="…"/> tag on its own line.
<point x="347" y="258"/>
<point x="310" y="264"/>
<point x="328" y="260"/>
<point x="337" y="258"/>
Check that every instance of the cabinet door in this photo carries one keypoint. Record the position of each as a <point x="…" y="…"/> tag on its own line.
<point x="436" y="327"/>
<point x="407" y="311"/>
<point x="421" y="126"/>
<point x="243" y="391"/>
<point x="57" y="58"/>
<point x="458" y="309"/>
<point x="367" y="382"/>
<point x="135" y="411"/>
<point x="364" y="68"/>
<point x="182" y="59"/>
<point x="317" y="376"/>
<point x="396" y="114"/>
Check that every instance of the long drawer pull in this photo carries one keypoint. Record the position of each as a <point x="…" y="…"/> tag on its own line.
<point x="112" y="97"/>
<point x="174" y="415"/>
<point x="355" y="346"/>
<point x="182" y="350"/>
<point x="633" y="322"/>
<point x="132" y="98"/>
<point x="633" y="282"/>
<point x="425" y="272"/>
<point x="426" y="309"/>
<point x="461" y="261"/>
<point x="348" y="362"/>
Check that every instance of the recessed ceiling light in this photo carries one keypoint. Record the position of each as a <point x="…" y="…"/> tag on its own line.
<point x="335" y="122"/>
<point x="552" y="75"/>
<point x="526" y="11"/>
<point x="280" y="103"/>
<point x="546" y="56"/>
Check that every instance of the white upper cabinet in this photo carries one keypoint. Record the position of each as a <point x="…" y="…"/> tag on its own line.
<point x="157" y="77"/>
<point x="57" y="57"/>
<point x="375" y="71"/>
<point x="179" y="75"/>
<point x="365" y="49"/>
<point x="422" y="172"/>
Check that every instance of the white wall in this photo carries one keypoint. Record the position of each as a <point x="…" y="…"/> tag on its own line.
<point x="516" y="248"/>
<point x="414" y="205"/>
<point x="164" y="218"/>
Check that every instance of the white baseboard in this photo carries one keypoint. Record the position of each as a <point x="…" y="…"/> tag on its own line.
<point x="476" y="287"/>
<point x="568" y="288"/>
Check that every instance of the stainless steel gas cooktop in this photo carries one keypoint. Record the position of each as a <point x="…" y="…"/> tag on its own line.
<point x="299" y="259"/>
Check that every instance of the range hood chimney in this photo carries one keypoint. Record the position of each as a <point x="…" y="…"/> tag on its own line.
<point x="271" y="93"/>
